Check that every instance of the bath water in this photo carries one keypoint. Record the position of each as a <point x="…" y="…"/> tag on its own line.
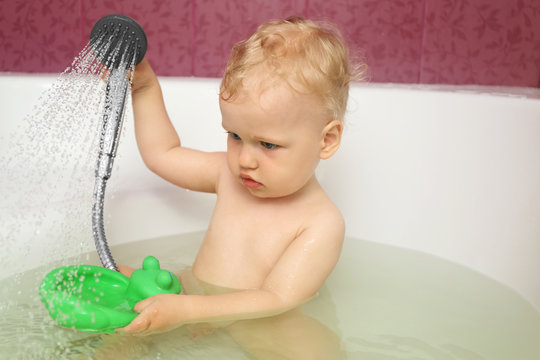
<point x="380" y="302"/>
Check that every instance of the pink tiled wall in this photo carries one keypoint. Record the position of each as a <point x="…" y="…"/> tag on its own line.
<point x="488" y="42"/>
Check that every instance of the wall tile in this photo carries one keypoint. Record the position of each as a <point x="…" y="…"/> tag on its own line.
<point x="386" y="33"/>
<point x="487" y="42"/>
<point x="167" y="25"/>
<point x="220" y="24"/>
<point x="39" y="36"/>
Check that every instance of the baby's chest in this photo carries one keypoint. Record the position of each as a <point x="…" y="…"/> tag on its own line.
<point x="245" y="240"/>
<point x="263" y="233"/>
<point x="258" y="233"/>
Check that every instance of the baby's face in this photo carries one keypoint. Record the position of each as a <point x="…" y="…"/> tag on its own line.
<point x="274" y="140"/>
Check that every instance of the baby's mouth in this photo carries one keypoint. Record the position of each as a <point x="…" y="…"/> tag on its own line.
<point x="248" y="182"/>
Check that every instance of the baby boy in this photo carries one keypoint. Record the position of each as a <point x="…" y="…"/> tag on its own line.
<point x="275" y="235"/>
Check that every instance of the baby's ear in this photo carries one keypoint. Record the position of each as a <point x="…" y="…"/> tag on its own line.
<point x="331" y="138"/>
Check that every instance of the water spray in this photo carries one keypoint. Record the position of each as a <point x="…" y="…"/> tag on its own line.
<point x="92" y="298"/>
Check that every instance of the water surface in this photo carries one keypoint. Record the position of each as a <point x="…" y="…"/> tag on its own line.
<point x="380" y="302"/>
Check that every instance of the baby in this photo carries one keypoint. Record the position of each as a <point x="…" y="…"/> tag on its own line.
<point x="274" y="235"/>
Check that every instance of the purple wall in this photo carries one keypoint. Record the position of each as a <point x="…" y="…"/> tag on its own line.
<point x="488" y="42"/>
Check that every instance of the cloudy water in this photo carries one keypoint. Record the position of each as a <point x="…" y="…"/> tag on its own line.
<point x="380" y="302"/>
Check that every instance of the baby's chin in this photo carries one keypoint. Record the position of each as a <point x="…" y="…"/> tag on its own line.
<point x="265" y="192"/>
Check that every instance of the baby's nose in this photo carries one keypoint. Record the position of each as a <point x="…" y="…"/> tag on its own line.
<point x="247" y="158"/>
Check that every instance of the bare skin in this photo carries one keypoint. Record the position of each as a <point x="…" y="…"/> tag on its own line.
<point x="274" y="232"/>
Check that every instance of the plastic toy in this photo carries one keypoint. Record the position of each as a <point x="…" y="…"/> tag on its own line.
<point x="95" y="299"/>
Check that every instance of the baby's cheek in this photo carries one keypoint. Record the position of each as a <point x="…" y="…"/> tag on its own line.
<point x="232" y="163"/>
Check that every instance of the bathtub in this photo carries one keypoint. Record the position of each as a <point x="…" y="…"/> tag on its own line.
<point x="449" y="171"/>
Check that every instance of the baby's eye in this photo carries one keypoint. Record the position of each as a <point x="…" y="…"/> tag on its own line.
<point x="234" y="136"/>
<point x="268" y="145"/>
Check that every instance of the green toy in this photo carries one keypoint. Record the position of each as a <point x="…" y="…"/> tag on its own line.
<point x="95" y="299"/>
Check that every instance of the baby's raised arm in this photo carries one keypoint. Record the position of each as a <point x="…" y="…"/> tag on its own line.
<point x="160" y="145"/>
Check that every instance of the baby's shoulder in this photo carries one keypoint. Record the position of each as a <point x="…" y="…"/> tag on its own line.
<point x="325" y="216"/>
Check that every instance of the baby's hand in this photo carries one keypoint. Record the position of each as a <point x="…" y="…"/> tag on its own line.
<point x="125" y="270"/>
<point x="143" y="76"/>
<point x="158" y="313"/>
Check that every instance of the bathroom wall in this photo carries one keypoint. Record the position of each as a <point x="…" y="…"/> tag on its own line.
<point x="486" y="42"/>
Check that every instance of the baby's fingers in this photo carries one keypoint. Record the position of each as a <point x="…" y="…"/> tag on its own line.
<point x="143" y="304"/>
<point x="125" y="270"/>
<point x="140" y="324"/>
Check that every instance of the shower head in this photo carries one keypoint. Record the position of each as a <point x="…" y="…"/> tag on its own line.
<point x="118" y="39"/>
<point x="119" y="43"/>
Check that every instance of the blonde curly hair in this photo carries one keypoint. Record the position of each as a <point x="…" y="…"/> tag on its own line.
<point x="310" y="57"/>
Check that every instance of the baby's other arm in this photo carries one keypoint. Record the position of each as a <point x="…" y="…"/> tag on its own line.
<point x="160" y="145"/>
<point x="296" y="277"/>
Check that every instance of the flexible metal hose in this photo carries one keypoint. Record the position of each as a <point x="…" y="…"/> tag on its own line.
<point x="98" y="227"/>
<point x="115" y="98"/>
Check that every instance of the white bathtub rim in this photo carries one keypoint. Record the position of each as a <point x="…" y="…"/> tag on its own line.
<point x="505" y="94"/>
